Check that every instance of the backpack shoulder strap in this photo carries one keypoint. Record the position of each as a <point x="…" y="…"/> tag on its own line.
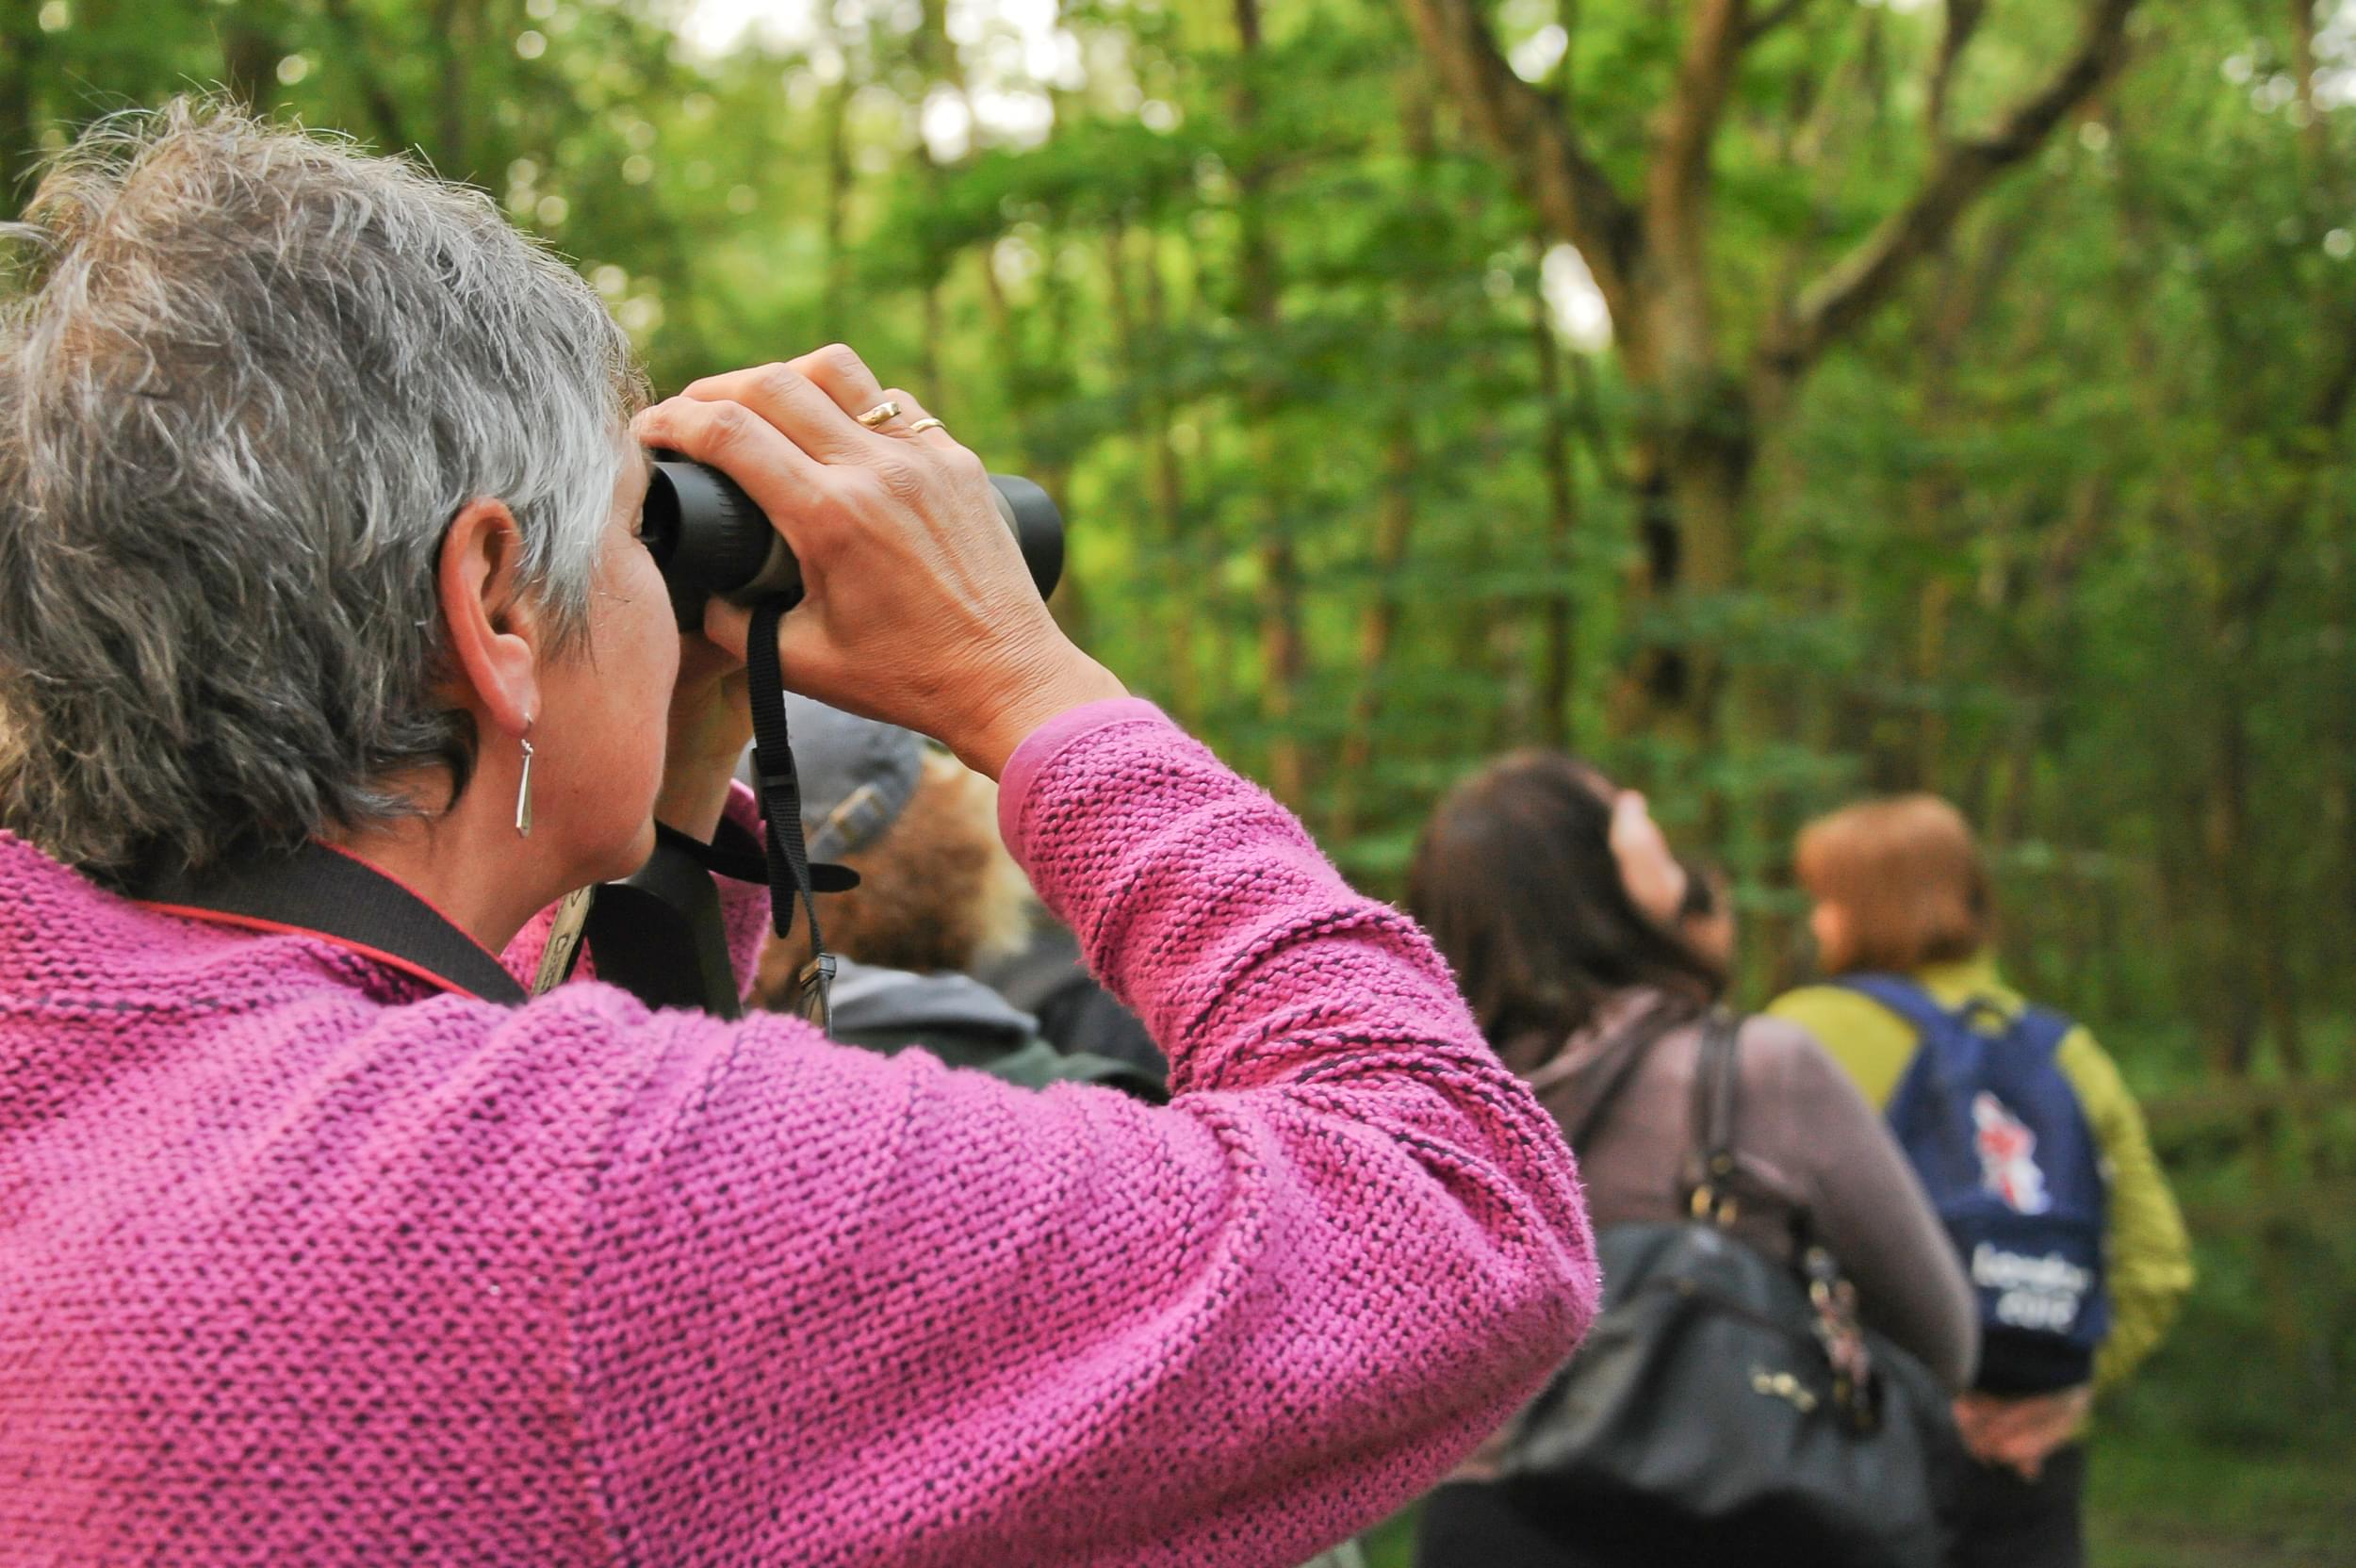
<point x="2043" y="1028"/>
<point x="1902" y="996"/>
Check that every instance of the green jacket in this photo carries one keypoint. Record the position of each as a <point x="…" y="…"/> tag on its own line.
<point x="2149" y="1263"/>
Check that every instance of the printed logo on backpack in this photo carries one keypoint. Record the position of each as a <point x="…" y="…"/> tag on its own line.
<point x="1995" y="1131"/>
<point x="2008" y="1156"/>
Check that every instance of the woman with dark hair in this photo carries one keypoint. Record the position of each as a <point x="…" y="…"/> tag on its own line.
<point x="1554" y="895"/>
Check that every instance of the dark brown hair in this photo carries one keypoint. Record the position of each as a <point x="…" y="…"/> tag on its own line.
<point x="1908" y="877"/>
<point x="1515" y="881"/>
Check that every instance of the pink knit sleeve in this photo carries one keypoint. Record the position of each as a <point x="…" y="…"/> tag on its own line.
<point x="840" y="1308"/>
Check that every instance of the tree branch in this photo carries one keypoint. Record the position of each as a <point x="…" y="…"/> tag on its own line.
<point x="1572" y="193"/>
<point x="2337" y="392"/>
<point x="1960" y="174"/>
<point x="1963" y="20"/>
<point x="1689" y="123"/>
<point x="1677" y="336"/>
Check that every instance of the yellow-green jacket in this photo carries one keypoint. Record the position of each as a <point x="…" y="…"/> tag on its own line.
<point x="2149" y="1263"/>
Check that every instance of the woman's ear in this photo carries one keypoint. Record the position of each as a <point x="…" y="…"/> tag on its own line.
<point x="494" y="635"/>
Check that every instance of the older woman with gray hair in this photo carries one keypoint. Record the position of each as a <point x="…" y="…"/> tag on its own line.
<point x="318" y="496"/>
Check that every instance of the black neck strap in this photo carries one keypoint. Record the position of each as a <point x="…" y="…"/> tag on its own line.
<point x="325" y="892"/>
<point x="658" y="934"/>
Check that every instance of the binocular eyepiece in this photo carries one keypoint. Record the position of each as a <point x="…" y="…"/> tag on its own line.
<point x="709" y="539"/>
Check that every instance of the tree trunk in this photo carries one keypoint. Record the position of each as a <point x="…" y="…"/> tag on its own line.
<point x="22" y="47"/>
<point x="1138" y="309"/>
<point x="2225" y="836"/>
<point x="1394" y="520"/>
<point x="458" y="24"/>
<point x="1690" y="481"/>
<point x="836" y="285"/>
<point x="248" y="61"/>
<point x="935" y="387"/>
<point x="1284" y="653"/>
<point x="1168" y="489"/>
<point x="392" y="127"/>
<point x="1558" y="671"/>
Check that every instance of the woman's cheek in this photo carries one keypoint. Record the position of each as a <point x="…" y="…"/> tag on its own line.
<point x="654" y="650"/>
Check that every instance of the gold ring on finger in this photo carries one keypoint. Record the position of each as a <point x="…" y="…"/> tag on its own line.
<point x="927" y="422"/>
<point x="881" y="414"/>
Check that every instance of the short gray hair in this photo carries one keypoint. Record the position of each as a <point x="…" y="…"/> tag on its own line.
<point x="248" y="376"/>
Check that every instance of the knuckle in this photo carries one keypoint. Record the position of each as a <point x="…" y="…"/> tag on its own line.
<point x="727" y="426"/>
<point x="777" y="379"/>
<point x="840" y="359"/>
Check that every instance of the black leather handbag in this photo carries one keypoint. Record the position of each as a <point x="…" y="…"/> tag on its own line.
<point x="1728" y="1407"/>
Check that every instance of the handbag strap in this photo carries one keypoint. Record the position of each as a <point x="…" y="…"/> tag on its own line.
<point x="1716" y="1104"/>
<point x="1717" y="1107"/>
<point x="1634" y="1045"/>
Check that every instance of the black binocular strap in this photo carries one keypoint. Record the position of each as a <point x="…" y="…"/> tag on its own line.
<point x="780" y="785"/>
<point x="791" y="873"/>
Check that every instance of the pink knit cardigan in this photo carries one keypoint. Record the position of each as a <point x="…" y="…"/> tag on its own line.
<point x="302" y="1263"/>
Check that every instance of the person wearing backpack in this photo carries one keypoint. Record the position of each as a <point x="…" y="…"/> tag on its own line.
<point x="2027" y="1139"/>
<point x="1554" y="897"/>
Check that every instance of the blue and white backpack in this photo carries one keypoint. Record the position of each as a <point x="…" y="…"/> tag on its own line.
<point x="1997" y="1134"/>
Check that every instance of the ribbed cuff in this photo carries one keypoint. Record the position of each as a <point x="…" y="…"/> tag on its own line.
<point x="1046" y="743"/>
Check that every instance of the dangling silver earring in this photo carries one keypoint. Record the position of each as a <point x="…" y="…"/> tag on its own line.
<point x="523" y="790"/>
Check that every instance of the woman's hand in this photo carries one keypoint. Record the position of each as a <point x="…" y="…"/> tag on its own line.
<point x="710" y="724"/>
<point x="1654" y="878"/>
<point x="2021" y="1434"/>
<point x="918" y="609"/>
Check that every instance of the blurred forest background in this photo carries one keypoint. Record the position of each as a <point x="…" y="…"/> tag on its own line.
<point x="1771" y="399"/>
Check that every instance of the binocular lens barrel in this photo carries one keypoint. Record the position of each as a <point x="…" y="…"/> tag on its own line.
<point x="709" y="538"/>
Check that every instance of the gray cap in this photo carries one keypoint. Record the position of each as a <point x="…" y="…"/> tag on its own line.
<point x="857" y="775"/>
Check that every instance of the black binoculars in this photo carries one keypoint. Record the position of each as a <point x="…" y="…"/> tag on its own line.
<point x="709" y="539"/>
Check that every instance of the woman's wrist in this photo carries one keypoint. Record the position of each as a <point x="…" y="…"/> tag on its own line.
<point x="710" y="724"/>
<point x="693" y="796"/>
<point x="1064" y="680"/>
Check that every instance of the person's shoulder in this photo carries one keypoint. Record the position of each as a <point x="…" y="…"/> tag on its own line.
<point x="1842" y="1020"/>
<point x="1812" y="1008"/>
<point x="1868" y="1040"/>
<point x="1788" y="1057"/>
<point x="577" y="1076"/>
<point x="449" y="1065"/>
<point x="1770" y="1036"/>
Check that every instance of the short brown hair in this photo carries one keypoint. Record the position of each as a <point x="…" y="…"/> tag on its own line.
<point x="1907" y="874"/>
